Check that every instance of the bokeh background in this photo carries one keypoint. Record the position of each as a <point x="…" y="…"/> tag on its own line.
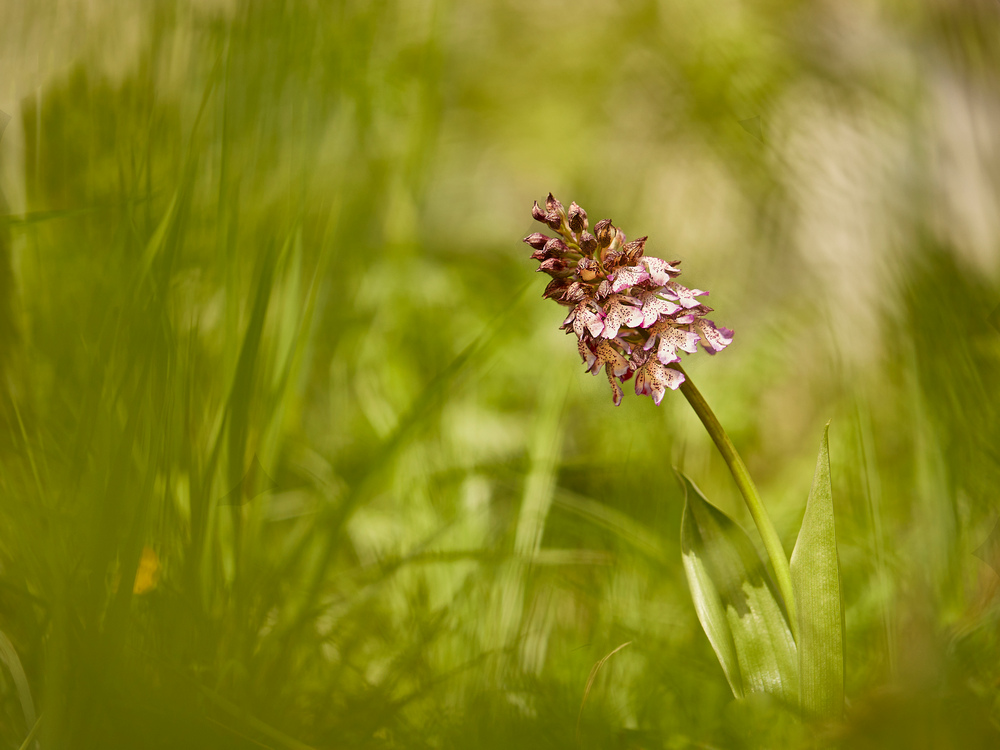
<point x="272" y="350"/>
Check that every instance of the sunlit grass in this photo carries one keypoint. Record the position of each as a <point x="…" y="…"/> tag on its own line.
<point x="286" y="236"/>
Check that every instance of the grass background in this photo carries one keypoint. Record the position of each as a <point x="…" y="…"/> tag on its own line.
<point x="264" y="312"/>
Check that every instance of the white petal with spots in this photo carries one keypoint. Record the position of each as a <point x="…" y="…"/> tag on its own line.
<point x="611" y="358"/>
<point x="714" y="338"/>
<point x="653" y="379"/>
<point x="654" y="306"/>
<point x="619" y="315"/>
<point x="616" y="390"/>
<point x="686" y="296"/>
<point x="585" y="317"/>
<point x="671" y="339"/>
<point x="629" y="277"/>
<point x="659" y="270"/>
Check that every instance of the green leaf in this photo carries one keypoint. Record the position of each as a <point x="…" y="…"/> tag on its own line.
<point x="816" y="581"/>
<point x="8" y="655"/>
<point x="736" y="601"/>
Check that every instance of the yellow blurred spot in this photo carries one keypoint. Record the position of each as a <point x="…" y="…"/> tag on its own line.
<point x="148" y="574"/>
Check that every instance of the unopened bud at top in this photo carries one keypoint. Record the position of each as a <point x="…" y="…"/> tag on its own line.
<point x="577" y="218"/>
<point x="554" y="219"/>
<point x="537" y="240"/>
<point x="605" y="232"/>
<point x="618" y="241"/>
<point x="556" y="248"/>
<point x="555" y="267"/>
<point x="633" y="250"/>
<point x="555" y="214"/>
<point x="553" y="248"/>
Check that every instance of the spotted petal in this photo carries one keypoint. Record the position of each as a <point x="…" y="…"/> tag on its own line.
<point x="653" y="379"/>
<point x="685" y="295"/>
<point x="671" y="339"/>
<point x="628" y="277"/>
<point x="587" y="316"/>
<point x="611" y="358"/>
<point x="714" y="338"/>
<point x="654" y="306"/>
<point x="619" y="315"/>
<point x="616" y="390"/>
<point x="686" y="316"/>
<point x="659" y="270"/>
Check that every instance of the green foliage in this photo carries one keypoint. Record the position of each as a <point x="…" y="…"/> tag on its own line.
<point x="268" y="346"/>
<point x="816" y="577"/>
<point x="737" y="602"/>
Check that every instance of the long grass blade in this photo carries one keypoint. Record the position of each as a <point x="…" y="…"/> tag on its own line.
<point x="8" y="655"/>
<point x="816" y="577"/>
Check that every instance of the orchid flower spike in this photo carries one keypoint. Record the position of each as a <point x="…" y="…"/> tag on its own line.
<point x="629" y="314"/>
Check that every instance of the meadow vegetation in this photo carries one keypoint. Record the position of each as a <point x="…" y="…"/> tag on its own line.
<point x="293" y="454"/>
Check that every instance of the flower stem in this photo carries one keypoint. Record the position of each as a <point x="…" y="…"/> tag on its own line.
<point x="772" y="544"/>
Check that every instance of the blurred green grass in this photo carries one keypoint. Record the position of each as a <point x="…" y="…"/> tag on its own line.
<point x="287" y="235"/>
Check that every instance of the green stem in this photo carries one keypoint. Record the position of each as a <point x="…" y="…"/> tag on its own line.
<point x="772" y="544"/>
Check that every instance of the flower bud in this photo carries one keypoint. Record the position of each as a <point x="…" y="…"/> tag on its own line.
<point x="536" y="240"/>
<point x="634" y="250"/>
<point x="555" y="267"/>
<point x="555" y="288"/>
<point x="605" y="232"/>
<point x="618" y="241"/>
<point x="588" y="243"/>
<point x="538" y="214"/>
<point x="577" y="218"/>
<point x="553" y="248"/>
<point x="553" y="206"/>
<point x="556" y="248"/>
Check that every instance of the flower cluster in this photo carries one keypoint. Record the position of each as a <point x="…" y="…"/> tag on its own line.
<point x="627" y="311"/>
